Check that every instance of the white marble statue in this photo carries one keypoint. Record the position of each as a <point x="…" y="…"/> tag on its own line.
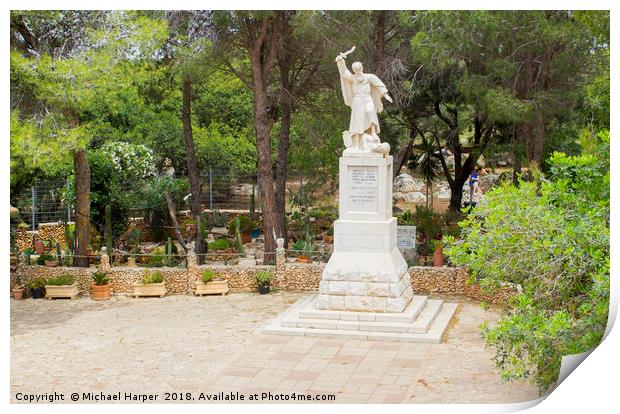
<point x="362" y="92"/>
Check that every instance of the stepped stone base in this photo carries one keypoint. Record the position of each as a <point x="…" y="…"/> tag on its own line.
<point x="423" y="320"/>
<point x="369" y="290"/>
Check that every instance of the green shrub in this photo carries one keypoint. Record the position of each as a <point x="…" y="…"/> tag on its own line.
<point x="299" y="245"/>
<point x="100" y="278"/>
<point x="328" y="212"/>
<point x="43" y="258"/>
<point x="551" y="237"/>
<point x="155" y="260"/>
<point x="155" y="277"/>
<point x="207" y="276"/>
<point x="220" y="244"/>
<point x="263" y="278"/>
<point x="62" y="280"/>
<point x="36" y="283"/>
<point x="214" y="218"/>
<point x="406" y="218"/>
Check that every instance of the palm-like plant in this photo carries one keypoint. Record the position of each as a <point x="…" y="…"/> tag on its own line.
<point x="429" y="167"/>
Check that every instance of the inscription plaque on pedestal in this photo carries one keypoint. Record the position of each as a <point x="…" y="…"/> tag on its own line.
<point x="362" y="189"/>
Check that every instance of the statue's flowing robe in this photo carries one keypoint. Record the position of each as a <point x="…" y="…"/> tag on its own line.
<point x="363" y="94"/>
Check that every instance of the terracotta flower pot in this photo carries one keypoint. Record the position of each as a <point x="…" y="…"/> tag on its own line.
<point x="18" y="293"/>
<point x="51" y="263"/>
<point x="246" y="238"/>
<point x="303" y="259"/>
<point x="328" y="239"/>
<point x="438" y="256"/>
<point x="101" y="292"/>
<point x="38" y="247"/>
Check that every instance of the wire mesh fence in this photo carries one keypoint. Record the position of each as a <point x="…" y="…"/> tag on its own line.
<point x="229" y="190"/>
<point x="44" y="202"/>
<point x="154" y="260"/>
<point x="51" y="201"/>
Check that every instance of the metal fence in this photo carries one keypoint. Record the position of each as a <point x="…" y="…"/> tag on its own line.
<point x="228" y="190"/>
<point x="47" y="201"/>
<point x="44" y="202"/>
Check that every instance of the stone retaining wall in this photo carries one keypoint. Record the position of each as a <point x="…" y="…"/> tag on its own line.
<point x="25" y="238"/>
<point x="288" y="276"/>
<point x="453" y="281"/>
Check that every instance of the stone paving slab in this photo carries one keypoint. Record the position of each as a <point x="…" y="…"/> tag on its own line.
<point x="214" y="344"/>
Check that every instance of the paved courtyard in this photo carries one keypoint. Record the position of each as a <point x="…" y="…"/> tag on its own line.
<point x="213" y="344"/>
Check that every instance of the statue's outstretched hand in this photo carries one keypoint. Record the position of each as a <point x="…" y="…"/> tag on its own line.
<point x="388" y="98"/>
<point x="339" y="58"/>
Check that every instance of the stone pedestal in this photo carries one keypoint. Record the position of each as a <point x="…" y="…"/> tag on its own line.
<point x="366" y="271"/>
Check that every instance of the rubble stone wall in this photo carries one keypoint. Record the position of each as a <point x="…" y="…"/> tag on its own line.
<point x="287" y="276"/>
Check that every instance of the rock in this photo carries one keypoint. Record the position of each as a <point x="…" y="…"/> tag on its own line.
<point x="488" y="181"/>
<point x="241" y="189"/>
<point x="404" y="183"/>
<point x="444" y="193"/>
<point x="148" y="248"/>
<point x="413" y="197"/>
<point x="481" y="162"/>
<point x="502" y="163"/>
<point x="450" y="161"/>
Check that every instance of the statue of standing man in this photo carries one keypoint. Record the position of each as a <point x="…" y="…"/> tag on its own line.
<point x="362" y="92"/>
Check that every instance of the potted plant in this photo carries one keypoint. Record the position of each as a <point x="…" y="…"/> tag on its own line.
<point x="297" y="248"/>
<point x="221" y="249"/>
<point x="62" y="286"/>
<point x="263" y="281"/>
<point x="152" y="284"/>
<point x="328" y="238"/>
<point x="209" y="284"/>
<point x="27" y="253"/>
<point x="101" y="286"/>
<point x="36" y="287"/>
<point x="308" y="248"/>
<point x="18" y="289"/>
<point x="39" y="247"/>
<point x="46" y="259"/>
<point x="246" y="225"/>
<point x="438" y="253"/>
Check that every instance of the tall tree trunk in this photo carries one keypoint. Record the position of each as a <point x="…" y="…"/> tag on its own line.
<point x="431" y="186"/>
<point x="285" y="61"/>
<point x="172" y="211"/>
<point x="538" y="139"/>
<point x="524" y="91"/>
<point x="402" y="156"/>
<point x="271" y="223"/>
<point x="261" y="38"/>
<point x="282" y="163"/>
<point x="82" y="206"/>
<point x="379" y="40"/>
<point x="192" y="167"/>
<point x="456" y="194"/>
